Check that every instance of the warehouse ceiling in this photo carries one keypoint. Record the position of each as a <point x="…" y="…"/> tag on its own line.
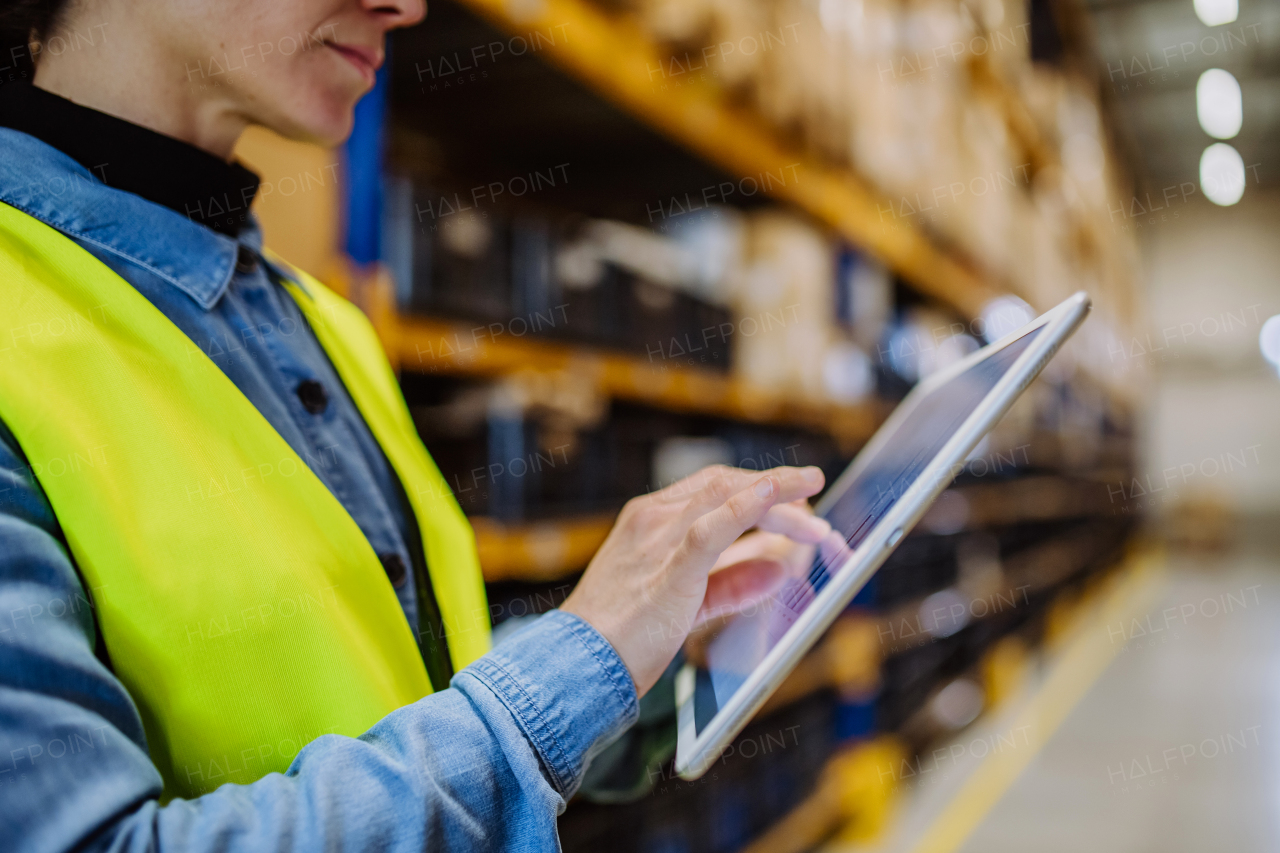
<point x="1150" y="53"/>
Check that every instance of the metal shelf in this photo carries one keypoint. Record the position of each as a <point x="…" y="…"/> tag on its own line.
<point x="614" y="57"/>
<point x="538" y="552"/>
<point x="427" y="345"/>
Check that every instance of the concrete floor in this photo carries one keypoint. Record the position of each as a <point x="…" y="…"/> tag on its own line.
<point x="1174" y="747"/>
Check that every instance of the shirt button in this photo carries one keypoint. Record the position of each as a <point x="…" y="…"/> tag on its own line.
<point x="313" y="396"/>
<point x="246" y="260"/>
<point x="394" y="567"/>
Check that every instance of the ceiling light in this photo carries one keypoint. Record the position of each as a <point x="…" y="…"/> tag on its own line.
<point x="1218" y="103"/>
<point x="1215" y="12"/>
<point x="1269" y="340"/>
<point x="1222" y="174"/>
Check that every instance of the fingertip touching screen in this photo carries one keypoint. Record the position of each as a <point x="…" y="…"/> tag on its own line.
<point x="876" y="482"/>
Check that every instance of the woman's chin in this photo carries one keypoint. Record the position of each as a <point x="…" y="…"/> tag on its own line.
<point x="327" y="124"/>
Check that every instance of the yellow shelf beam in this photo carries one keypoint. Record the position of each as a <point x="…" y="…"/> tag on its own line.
<point x="613" y="56"/>
<point x="854" y="800"/>
<point x="439" y="346"/>
<point x="1029" y="499"/>
<point x="538" y="552"/>
<point x="1022" y="126"/>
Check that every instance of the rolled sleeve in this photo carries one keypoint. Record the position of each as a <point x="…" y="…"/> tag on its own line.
<point x="569" y="703"/>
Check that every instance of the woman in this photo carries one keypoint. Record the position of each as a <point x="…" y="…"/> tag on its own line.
<point x="239" y="610"/>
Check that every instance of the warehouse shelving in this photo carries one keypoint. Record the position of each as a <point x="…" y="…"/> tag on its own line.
<point x="1037" y="498"/>
<point x="1021" y="125"/>
<point x="1027" y="134"/>
<point x="853" y="800"/>
<point x="453" y="348"/>
<point x="1082" y="233"/>
<point x="538" y="551"/>
<point x="550" y="550"/>
<point x="613" y="56"/>
<point x="553" y="549"/>
<point x="418" y="342"/>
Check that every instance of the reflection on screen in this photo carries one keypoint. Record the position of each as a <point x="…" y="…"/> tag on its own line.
<point x="878" y="481"/>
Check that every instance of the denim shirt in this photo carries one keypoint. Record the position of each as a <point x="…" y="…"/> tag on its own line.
<point x="486" y="764"/>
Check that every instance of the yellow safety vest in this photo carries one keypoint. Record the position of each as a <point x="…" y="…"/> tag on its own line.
<point x="240" y="604"/>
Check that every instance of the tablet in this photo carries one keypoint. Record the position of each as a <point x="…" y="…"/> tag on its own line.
<point x="885" y="490"/>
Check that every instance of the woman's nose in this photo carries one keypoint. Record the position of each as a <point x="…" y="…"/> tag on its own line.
<point x="398" y="13"/>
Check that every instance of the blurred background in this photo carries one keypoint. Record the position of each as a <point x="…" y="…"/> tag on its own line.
<point x="608" y="242"/>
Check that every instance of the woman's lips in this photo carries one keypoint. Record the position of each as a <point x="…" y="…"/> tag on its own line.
<point x="364" y="59"/>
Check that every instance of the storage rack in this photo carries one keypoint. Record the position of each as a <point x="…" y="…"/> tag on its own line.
<point x="623" y="377"/>
<point x="613" y="56"/>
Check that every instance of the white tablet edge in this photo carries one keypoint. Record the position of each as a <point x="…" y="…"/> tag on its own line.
<point x="695" y="753"/>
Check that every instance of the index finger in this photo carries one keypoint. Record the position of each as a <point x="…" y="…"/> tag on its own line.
<point x="714" y="523"/>
<point x="734" y="478"/>
<point x="686" y="487"/>
<point x="792" y="484"/>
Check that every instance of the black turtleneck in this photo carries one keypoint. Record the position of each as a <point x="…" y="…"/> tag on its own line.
<point x="128" y="157"/>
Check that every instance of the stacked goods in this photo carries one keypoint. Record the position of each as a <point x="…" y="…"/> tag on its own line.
<point x="769" y="770"/>
<point x="991" y="193"/>
<point x="757" y="291"/>
<point x="1082" y="197"/>
<point x="787" y="289"/>
<point x="515" y="457"/>
<point x="544" y="272"/>
<point x="937" y="105"/>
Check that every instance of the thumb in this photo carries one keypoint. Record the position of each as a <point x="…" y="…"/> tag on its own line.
<point x="733" y="587"/>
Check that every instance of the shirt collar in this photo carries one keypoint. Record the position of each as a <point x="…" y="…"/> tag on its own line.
<point x="41" y="181"/>
<point x="136" y="159"/>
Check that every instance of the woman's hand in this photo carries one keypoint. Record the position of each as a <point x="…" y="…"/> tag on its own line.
<point x="753" y="568"/>
<point x="647" y="586"/>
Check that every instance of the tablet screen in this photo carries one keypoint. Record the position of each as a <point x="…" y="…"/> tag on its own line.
<point x="875" y="484"/>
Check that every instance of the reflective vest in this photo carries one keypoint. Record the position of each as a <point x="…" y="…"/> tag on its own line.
<point x="239" y="603"/>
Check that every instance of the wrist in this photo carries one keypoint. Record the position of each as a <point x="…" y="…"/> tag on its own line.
<point x="615" y="633"/>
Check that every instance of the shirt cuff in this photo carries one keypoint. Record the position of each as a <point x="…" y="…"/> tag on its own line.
<point x="566" y="688"/>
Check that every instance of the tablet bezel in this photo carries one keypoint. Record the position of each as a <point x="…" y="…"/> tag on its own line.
<point x="696" y="752"/>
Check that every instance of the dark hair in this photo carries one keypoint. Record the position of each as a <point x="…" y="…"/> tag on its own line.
<point x="22" y="22"/>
